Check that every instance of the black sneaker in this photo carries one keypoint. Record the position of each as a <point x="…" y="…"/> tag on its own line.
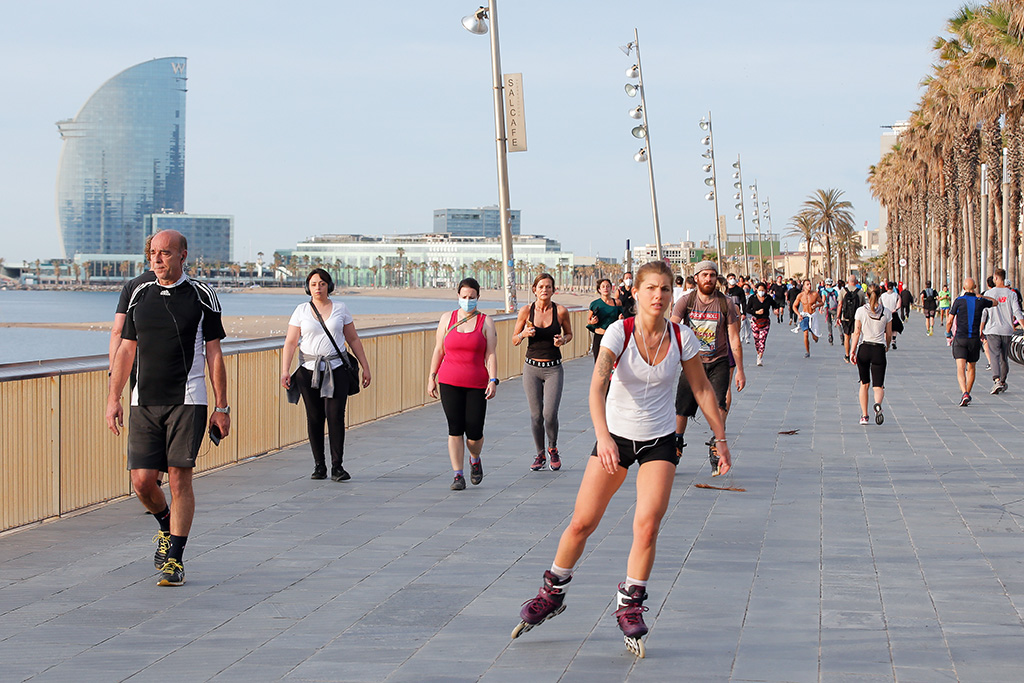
<point x="319" y="473"/>
<point x="173" y="573"/>
<point x="163" y="544"/>
<point x="339" y="474"/>
<point x="879" y="417"/>
<point x="476" y="472"/>
<point x="459" y="484"/>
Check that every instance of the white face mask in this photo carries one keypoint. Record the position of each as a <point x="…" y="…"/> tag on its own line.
<point x="732" y="281"/>
<point x="627" y="282"/>
<point x="467" y="305"/>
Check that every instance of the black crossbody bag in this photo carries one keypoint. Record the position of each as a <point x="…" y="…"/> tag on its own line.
<point x="350" y="366"/>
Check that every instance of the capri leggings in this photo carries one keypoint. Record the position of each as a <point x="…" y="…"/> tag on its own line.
<point x="871" y="364"/>
<point x="543" y="387"/>
<point x="465" y="409"/>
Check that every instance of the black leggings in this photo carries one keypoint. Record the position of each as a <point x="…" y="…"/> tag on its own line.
<point x="465" y="409"/>
<point x="871" y="364"/>
<point x="319" y="410"/>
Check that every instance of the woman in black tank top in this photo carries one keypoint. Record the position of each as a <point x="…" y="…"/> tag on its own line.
<point x="547" y="327"/>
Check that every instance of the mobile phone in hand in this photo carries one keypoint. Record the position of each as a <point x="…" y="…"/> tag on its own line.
<point x="215" y="435"/>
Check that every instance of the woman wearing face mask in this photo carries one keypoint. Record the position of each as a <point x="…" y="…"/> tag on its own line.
<point x="546" y="326"/>
<point x="759" y="308"/>
<point x="464" y="370"/>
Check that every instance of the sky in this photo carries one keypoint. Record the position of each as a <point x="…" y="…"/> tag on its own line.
<point x="307" y="118"/>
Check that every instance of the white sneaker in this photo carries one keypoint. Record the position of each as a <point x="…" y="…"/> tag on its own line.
<point x="759" y="360"/>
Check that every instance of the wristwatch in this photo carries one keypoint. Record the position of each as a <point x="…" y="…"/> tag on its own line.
<point x="495" y="380"/>
<point x="226" y="410"/>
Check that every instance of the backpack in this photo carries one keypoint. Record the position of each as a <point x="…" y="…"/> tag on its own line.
<point x="629" y="324"/>
<point x="851" y="302"/>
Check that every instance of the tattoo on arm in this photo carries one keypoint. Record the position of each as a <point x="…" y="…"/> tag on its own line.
<point x="605" y="364"/>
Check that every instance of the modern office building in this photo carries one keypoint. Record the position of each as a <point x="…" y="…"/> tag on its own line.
<point x="429" y="259"/>
<point x="480" y="222"/>
<point x="209" y="237"/>
<point x="123" y="158"/>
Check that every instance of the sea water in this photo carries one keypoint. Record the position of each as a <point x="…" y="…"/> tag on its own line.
<point x="20" y="344"/>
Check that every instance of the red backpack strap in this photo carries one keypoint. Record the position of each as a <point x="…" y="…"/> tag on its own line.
<point x="679" y="338"/>
<point x="627" y="325"/>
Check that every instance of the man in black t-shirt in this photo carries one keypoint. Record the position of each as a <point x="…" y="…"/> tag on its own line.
<point x="625" y="295"/>
<point x="929" y="304"/>
<point x="966" y="311"/>
<point x="172" y="327"/>
<point x="778" y="291"/>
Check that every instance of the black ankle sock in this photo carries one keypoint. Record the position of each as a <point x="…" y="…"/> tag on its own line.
<point x="164" y="519"/>
<point x="177" y="546"/>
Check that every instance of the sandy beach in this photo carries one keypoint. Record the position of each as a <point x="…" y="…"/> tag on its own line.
<point x="257" y="327"/>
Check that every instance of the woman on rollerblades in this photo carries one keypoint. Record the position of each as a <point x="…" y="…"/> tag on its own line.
<point x="635" y="424"/>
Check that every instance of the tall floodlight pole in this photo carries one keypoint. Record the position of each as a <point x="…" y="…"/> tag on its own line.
<point x="742" y="216"/>
<point x="475" y="23"/>
<point x="756" y="220"/>
<point x="642" y="132"/>
<point x="712" y="180"/>
<point x="771" y="242"/>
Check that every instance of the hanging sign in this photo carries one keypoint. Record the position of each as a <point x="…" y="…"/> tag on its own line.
<point x="515" y="113"/>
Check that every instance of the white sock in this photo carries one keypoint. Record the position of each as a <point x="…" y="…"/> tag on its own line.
<point x="561" y="572"/>
<point x="630" y="581"/>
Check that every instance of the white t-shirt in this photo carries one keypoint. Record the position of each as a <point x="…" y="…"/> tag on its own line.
<point x="677" y="293"/>
<point x="641" y="401"/>
<point x="890" y="298"/>
<point x="312" y="340"/>
<point x="872" y="329"/>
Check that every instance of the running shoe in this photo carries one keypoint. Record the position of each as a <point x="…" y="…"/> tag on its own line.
<point x="556" y="461"/>
<point x="172" y="573"/>
<point x="879" y="417"/>
<point x="459" y="483"/>
<point x="996" y="387"/>
<point x="893" y="344"/>
<point x="965" y="400"/>
<point x="759" y="360"/>
<point x="538" y="463"/>
<point x="1002" y="386"/>
<point x="807" y="354"/>
<point x="319" y="473"/>
<point x="339" y="474"/>
<point x="476" y="472"/>
<point x="864" y="420"/>
<point x="163" y="544"/>
<point x="988" y="366"/>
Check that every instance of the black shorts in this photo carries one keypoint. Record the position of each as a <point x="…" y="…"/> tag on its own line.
<point x="967" y="349"/>
<point x="718" y="374"/>
<point x="871" y="364"/>
<point x="929" y="312"/>
<point x="662" y="448"/>
<point x="165" y="436"/>
<point x="465" y="409"/>
<point x="848" y="326"/>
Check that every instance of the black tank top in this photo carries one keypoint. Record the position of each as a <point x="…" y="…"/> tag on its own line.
<point x="541" y="346"/>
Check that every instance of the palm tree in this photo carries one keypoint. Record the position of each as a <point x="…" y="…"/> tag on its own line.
<point x="804" y="227"/>
<point x="830" y="213"/>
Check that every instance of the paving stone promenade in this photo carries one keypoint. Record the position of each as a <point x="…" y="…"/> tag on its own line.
<point x="855" y="554"/>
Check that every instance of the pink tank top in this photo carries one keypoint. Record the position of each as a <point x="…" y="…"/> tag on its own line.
<point x="463" y="362"/>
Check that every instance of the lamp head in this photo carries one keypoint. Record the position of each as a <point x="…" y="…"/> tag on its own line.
<point x="736" y="196"/>
<point x="639" y="132"/>
<point x="706" y="168"/>
<point x="736" y="175"/>
<point x="704" y="124"/>
<point x="632" y="90"/>
<point x="737" y="185"/>
<point x="710" y="195"/>
<point x="736" y="164"/>
<point x="709" y="181"/>
<point x="633" y="72"/>
<point x="706" y="141"/>
<point x="739" y="216"/>
<point x="636" y="113"/>
<point x="640" y="156"/>
<point x="474" y="23"/>
<point x="707" y="154"/>
<point x="739" y="207"/>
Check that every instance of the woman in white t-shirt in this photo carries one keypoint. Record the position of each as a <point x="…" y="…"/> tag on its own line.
<point x="321" y="379"/>
<point x="872" y="335"/>
<point x="635" y="423"/>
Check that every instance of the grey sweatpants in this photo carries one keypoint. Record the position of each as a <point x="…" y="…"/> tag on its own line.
<point x="543" y="387"/>
<point x="999" y="351"/>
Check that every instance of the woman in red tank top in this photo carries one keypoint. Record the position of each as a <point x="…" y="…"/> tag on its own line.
<point x="464" y="371"/>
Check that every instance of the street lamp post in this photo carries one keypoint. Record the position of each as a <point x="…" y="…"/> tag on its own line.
<point x="771" y="243"/>
<point x="642" y="131"/>
<point x="742" y="217"/>
<point x="475" y="23"/>
<point x="756" y="220"/>
<point x="712" y="180"/>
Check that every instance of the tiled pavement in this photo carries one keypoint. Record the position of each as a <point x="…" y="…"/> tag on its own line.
<point x="855" y="554"/>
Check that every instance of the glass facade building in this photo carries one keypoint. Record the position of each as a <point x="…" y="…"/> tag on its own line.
<point x="480" y="222"/>
<point x="209" y="237"/>
<point x="123" y="158"/>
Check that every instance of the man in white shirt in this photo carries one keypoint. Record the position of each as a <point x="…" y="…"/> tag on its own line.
<point x="999" y="328"/>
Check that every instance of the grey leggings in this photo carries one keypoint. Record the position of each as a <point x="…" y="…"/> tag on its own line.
<point x="999" y="351"/>
<point x="543" y="387"/>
